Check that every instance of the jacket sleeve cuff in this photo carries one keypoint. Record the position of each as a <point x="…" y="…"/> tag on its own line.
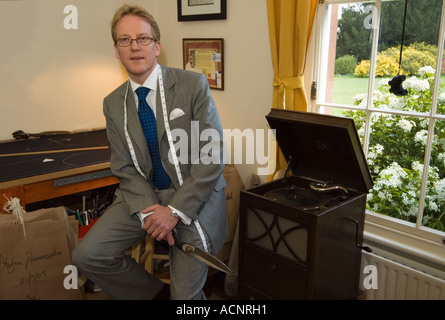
<point x="184" y="218"/>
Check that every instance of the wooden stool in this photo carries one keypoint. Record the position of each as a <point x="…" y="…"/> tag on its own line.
<point x="144" y="253"/>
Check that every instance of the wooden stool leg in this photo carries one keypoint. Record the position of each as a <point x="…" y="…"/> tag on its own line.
<point x="147" y="258"/>
<point x="136" y="251"/>
<point x="144" y="253"/>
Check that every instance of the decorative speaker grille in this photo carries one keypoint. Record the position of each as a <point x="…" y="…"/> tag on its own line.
<point x="279" y="235"/>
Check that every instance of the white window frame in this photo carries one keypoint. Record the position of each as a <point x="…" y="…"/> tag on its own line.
<point x="412" y="243"/>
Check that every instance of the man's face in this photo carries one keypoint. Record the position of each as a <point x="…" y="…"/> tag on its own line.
<point x="139" y="61"/>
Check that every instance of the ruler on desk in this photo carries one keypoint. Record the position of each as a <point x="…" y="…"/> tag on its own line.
<point x="82" y="178"/>
<point x="51" y="151"/>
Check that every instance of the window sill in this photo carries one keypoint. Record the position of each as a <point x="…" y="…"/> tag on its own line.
<point x="402" y="242"/>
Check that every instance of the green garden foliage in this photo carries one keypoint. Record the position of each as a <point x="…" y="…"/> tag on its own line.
<point x="414" y="57"/>
<point x="397" y="151"/>
<point x="345" y="64"/>
<point x="422" y="25"/>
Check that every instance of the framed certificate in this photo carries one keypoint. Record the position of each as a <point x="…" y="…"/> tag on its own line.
<point x="205" y="56"/>
<point x="195" y="10"/>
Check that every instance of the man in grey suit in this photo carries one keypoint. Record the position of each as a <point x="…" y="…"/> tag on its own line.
<point x="192" y="202"/>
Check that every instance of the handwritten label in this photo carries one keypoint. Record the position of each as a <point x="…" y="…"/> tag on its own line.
<point x="13" y="264"/>
<point x="32" y="278"/>
<point x="31" y="259"/>
<point x="9" y="264"/>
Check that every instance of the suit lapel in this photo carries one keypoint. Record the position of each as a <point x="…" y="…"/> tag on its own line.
<point x="137" y="135"/>
<point x="169" y="97"/>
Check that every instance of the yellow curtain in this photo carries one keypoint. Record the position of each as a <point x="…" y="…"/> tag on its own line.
<point x="290" y="25"/>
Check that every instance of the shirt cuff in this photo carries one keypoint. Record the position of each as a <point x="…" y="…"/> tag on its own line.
<point x="184" y="218"/>
<point x="142" y="216"/>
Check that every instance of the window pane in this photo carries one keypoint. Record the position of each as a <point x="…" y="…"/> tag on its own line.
<point x="414" y="71"/>
<point x="434" y="210"/>
<point x="349" y="41"/>
<point x="395" y="159"/>
<point x="348" y="47"/>
<point x="398" y="132"/>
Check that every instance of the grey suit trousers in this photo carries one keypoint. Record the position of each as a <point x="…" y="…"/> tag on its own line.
<point x="101" y="256"/>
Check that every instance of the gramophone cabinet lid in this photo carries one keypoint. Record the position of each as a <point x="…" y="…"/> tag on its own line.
<point x="322" y="147"/>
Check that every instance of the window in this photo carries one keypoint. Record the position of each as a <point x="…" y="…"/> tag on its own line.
<point x="403" y="136"/>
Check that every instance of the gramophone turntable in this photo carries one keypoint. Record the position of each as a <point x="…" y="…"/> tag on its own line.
<point x="301" y="236"/>
<point x="318" y="197"/>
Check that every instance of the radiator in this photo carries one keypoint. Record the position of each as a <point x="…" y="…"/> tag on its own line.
<point x="397" y="281"/>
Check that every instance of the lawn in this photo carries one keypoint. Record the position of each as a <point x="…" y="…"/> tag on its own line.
<point x="346" y="87"/>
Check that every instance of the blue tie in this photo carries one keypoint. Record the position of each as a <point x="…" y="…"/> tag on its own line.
<point x="160" y="178"/>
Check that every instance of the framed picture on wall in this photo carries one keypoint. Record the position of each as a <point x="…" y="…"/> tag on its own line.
<point x="195" y="10"/>
<point x="205" y="56"/>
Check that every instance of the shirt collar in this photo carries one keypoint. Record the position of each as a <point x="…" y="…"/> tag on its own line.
<point x="151" y="82"/>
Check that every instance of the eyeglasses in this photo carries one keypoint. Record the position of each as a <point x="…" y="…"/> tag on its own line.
<point x="141" y="40"/>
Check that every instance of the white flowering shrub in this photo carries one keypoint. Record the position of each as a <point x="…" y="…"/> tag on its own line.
<point x="397" y="151"/>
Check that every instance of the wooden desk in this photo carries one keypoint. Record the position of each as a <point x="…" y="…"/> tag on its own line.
<point x="80" y="162"/>
<point x="44" y="187"/>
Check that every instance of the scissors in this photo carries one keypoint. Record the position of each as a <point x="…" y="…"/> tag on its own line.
<point x="200" y="254"/>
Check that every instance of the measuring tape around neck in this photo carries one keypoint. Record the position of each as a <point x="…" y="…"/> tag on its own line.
<point x="127" y="136"/>
<point x="167" y="126"/>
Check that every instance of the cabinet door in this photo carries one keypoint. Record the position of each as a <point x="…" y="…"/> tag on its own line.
<point x="337" y="271"/>
<point x="267" y="276"/>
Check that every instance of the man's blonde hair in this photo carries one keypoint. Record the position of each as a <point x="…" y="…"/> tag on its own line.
<point x="135" y="11"/>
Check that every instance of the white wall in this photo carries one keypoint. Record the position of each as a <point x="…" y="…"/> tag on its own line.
<point x="52" y="78"/>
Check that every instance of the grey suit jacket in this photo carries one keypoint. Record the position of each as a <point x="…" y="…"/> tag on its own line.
<point x="201" y="196"/>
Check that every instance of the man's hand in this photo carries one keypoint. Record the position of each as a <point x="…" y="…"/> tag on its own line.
<point x="160" y="223"/>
